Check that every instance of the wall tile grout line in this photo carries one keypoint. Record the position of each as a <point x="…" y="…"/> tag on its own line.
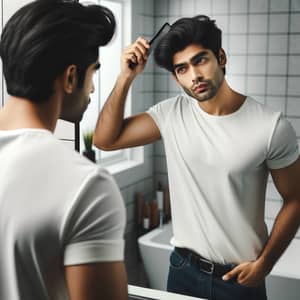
<point x="268" y="51"/>
<point x="287" y="62"/>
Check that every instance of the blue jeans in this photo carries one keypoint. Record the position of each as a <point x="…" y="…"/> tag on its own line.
<point x="185" y="278"/>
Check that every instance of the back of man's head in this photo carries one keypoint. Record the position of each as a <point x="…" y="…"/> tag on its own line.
<point x="42" y="38"/>
<point x="199" y="30"/>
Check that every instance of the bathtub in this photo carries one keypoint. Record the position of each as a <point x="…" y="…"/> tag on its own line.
<point x="282" y="284"/>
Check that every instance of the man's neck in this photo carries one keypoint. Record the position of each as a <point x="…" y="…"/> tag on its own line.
<point x="225" y="102"/>
<point x="20" y="113"/>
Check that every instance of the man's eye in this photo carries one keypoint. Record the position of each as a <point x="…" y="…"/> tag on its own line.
<point x="200" y="60"/>
<point x="181" y="70"/>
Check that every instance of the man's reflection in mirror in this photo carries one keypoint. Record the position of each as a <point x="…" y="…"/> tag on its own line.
<point x="220" y="148"/>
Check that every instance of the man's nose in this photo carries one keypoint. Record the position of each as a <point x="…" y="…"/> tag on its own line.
<point x="196" y="76"/>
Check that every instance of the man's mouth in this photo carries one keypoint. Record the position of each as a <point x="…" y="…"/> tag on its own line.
<point x="199" y="88"/>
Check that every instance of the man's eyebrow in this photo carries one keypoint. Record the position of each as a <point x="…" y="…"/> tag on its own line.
<point x="192" y="60"/>
<point x="179" y="65"/>
<point x="198" y="55"/>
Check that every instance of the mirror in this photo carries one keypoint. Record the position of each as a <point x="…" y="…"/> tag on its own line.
<point x="257" y="42"/>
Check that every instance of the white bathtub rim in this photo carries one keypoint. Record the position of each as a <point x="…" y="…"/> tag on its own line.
<point x="284" y="275"/>
<point x="146" y="239"/>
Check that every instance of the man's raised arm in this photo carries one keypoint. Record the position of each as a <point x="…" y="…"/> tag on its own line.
<point x="112" y="130"/>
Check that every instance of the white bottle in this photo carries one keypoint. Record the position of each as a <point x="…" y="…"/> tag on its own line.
<point x="160" y="204"/>
<point x="146" y="219"/>
<point x="146" y="223"/>
<point x="160" y="197"/>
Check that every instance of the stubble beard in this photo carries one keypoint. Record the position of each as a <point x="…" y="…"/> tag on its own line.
<point x="208" y="94"/>
<point x="211" y="90"/>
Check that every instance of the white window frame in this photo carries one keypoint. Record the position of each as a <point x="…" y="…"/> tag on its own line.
<point x="126" y="158"/>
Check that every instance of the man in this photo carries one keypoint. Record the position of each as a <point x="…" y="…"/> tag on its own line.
<point x="220" y="146"/>
<point x="61" y="219"/>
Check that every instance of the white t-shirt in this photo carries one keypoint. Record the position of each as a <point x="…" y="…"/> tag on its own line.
<point x="218" y="168"/>
<point x="56" y="209"/>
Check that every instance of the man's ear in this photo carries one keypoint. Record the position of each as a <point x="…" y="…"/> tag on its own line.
<point x="70" y="79"/>
<point x="222" y="59"/>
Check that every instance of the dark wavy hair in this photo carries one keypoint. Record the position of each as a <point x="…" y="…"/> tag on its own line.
<point x="45" y="36"/>
<point x="186" y="31"/>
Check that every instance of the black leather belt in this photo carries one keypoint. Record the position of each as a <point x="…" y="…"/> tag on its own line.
<point x="204" y="264"/>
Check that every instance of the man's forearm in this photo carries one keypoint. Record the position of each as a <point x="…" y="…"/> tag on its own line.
<point x="284" y="230"/>
<point x="111" y="118"/>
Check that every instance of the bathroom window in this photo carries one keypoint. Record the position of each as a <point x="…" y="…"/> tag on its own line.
<point x="104" y="79"/>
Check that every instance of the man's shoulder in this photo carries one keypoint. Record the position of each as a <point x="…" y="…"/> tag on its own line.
<point x="58" y="155"/>
<point x="72" y="160"/>
<point x="259" y="109"/>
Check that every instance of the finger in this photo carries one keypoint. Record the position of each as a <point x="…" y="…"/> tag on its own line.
<point x="241" y="278"/>
<point x="143" y="49"/>
<point x="245" y="282"/>
<point x="143" y="42"/>
<point x="231" y="274"/>
<point x="137" y="52"/>
<point x="136" y="46"/>
<point x="246" y="279"/>
<point x="140" y="43"/>
<point x="242" y="282"/>
<point x="130" y="57"/>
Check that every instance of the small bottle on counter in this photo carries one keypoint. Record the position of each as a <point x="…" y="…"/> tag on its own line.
<point x="160" y="197"/>
<point x="146" y="217"/>
<point x="160" y="202"/>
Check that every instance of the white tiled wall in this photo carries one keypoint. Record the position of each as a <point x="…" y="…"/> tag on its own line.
<point x="262" y="42"/>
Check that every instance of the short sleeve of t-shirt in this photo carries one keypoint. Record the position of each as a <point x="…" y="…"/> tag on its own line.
<point x="94" y="230"/>
<point x="283" y="149"/>
<point x="160" y="113"/>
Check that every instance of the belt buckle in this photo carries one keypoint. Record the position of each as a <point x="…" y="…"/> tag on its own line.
<point x="211" y="265"/>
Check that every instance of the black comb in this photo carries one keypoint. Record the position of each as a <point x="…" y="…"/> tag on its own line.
<point x="154" y="41"/>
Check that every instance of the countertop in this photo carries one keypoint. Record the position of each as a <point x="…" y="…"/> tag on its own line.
<point x="156" y="294"/>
